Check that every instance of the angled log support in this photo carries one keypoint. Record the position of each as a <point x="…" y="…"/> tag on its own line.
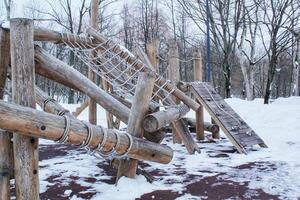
<point x="23" y="83"/>
<point x="139" y="109"/>
<point x="50" y="105"/>
<point x="138" y="65"/>
<point x="155" y="121"/>
<point x="81" y="108"/>
<point x="35" y="123"/>
<point x="54" y="69"/>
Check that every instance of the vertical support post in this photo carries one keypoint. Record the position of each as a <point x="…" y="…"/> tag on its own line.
<point x="152" y="53"/>
<point x="92" y="76"/>
<point x="174" y="76"/>
<point x="215" y="135"/>
<point x="23" y="83"/>
<point x="6" y="157"/>
<point x="198" y="76"/>
<point x="139" y="109"/>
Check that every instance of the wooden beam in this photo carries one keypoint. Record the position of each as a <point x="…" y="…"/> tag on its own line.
<point x="35" y="123"/>
<point x="50" y="105"/>
<point x="6" y="157"/>
<point x="155" y="121"/>
<point x="174" y="76"/>
<point x="92" y="75"/>
<point x="54" y="69"/>
<point x="198" y="76"/>
<point x="152" y="53"/>
<point x="23" y="83"/>
<point x="81" y="108"/>
<point x="213" y="128"/>
<point x="139" y="109"/>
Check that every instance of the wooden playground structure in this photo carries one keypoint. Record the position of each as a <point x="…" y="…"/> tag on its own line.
<point x="145" y="101"/>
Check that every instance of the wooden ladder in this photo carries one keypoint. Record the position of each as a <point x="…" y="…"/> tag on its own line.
<point x="235" y="128"/>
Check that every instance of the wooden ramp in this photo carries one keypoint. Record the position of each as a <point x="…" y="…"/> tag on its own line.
<point x="235" y="128"/>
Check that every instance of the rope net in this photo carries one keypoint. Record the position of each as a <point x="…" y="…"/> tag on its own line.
<point x="113" y="67"/>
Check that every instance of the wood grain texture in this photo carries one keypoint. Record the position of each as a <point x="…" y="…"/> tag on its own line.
<point x="23" y="83"/>
<point x="35" y="123"/>
<point x="6" y="158"/>
<point x="55" y="69"/>
<point x="139" y="109"/>
<point x="92" y="75"/>
<point x="155" y="121"/>
<point x="174" y="76"/>
<point x="235" y="128"/>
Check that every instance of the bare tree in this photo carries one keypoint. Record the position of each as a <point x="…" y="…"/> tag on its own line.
<point x="278" y="23"/>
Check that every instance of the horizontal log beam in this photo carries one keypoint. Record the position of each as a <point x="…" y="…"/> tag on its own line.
<point x="160" y="119"/>
<point x="213" y="128"/>
<point x="36" y="123"/>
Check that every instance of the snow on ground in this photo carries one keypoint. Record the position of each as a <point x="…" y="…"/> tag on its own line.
<point x="217" y="173"/>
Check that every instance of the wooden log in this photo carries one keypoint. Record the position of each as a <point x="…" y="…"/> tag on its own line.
<point x="216" y="134"/>
<point x="197" y="64"/>
<point x="185" y="135"/>
<point x="23" y="83"/>
<point x="54" y="69"/>
<point x="155" y="121"/>
<point x="139" y="109"/>
<point x="35" y="123"/>
<point x="50" y="105"/>
<point x="139" y="65"/>
<point x="174" y="76"/>
<point x="159" y="135"/>
<point x="152" y="52"/>
<point x="213" y="128"/>
<point x="6" y="158"/>
<point x="47" y="35"/>
<point x="200" y="123"/>
<point x="92" y="75"/>
<point x="81" y="108"/>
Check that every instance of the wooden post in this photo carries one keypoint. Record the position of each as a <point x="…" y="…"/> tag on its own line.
<point x="92" y="76"/>
<point x="215" y="135"/>
<point x="174" y="76"/>
<point x="35" y="123"/>
<point x="6" y="158"/>
<point x="152" y="53"/>
<point x="198" y="76"/>
<point x="23" y="83"/>
<point x="139" y="109"/>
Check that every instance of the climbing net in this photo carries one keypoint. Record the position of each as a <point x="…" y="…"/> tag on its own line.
<point x="112" y="66"/>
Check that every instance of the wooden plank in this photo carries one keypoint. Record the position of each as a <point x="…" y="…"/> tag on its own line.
<point x="23" y="83"/>
<point x="225" y="117"/>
